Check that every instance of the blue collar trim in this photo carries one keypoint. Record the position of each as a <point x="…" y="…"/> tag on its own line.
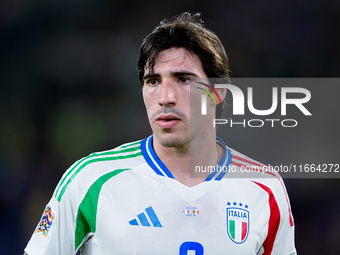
<point x="153" y="160"/>
<point x="157" y="165"/>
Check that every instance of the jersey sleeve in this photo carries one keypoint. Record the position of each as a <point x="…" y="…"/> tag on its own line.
<point x="69" y="219"/>
<point x="55" y="233"/>
<point x="280" y="236"/>
<point x="285" y="238"/>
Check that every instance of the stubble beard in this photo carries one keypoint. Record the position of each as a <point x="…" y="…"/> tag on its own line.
<point x="172" y="140"/>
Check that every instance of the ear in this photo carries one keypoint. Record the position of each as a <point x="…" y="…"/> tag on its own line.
<point x="222" y="92"/>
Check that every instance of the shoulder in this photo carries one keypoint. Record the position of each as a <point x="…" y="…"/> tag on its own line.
<point x="248" y="167"/>
<point x="264" y="180"/>
<point x="84" y="172"/>
<point x="257" y="175"/>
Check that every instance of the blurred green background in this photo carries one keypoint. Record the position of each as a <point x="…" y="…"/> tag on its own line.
<point x="69" y="87"/>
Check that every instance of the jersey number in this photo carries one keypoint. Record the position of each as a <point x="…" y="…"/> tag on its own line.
<point x="191" y="246"/>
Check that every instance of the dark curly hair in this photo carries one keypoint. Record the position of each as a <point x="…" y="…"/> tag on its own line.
<point x="185" y="30"/>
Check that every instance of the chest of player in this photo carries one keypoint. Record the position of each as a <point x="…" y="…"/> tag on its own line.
<point x="163" y="218"/>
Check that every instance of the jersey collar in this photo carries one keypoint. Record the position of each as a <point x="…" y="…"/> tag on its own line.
<point x="157" y="165"/>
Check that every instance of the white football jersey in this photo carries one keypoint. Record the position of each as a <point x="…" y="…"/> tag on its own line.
<point x="125" y="201"/>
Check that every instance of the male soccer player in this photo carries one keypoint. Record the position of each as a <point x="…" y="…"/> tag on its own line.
<point x="139" y="198"/>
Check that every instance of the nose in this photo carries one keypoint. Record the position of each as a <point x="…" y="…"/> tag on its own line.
<point x="167" y="94"/>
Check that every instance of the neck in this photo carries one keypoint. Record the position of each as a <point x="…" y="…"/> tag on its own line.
<point x="181" y="160"/>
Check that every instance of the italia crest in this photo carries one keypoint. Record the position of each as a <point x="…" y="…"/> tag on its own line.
<point x="237" y="222"/>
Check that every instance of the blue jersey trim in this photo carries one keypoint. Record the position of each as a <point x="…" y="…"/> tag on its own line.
<point x="227" y="165"/>
<point x="157" y="165"/>
<point x="153" y="160"/>
<point x="224" y="164"/>
<point x="147" y="157"/>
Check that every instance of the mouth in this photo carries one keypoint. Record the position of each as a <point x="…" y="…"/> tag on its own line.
<point x="167" y="121"/>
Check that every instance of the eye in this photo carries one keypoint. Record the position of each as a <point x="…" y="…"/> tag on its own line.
<point x="184" y="80"/>
<point x="152" y="82"/>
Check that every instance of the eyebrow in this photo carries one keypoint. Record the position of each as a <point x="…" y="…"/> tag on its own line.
<point x="172" y="74"/>
<point x="151" y="75"/>
<point x="183" y="73"/>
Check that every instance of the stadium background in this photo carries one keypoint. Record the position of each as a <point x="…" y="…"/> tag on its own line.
<point x="69" y="86"/>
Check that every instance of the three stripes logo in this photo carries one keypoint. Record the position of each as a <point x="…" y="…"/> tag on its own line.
<point x="144" y="219"/>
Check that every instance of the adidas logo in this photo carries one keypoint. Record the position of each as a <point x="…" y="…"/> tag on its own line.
<point x="143" y="219"/>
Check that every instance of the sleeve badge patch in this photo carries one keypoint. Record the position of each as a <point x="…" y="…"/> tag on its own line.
<point x="46" y="222"/>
